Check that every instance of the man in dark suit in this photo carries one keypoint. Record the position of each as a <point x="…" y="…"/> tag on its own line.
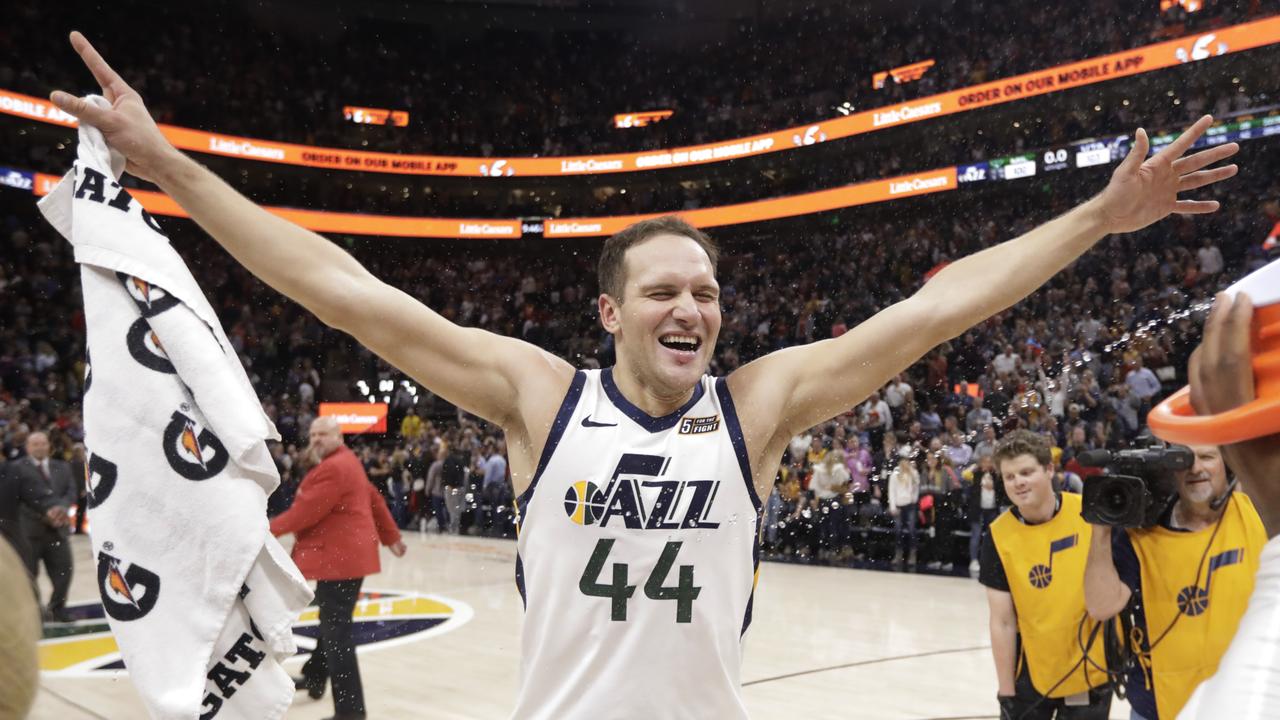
<point x="47" y="539"/>
<point x="18" y="491"/>
<point x="338" y="519"/>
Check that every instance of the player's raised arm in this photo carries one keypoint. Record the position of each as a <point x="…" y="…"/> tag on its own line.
<point x="479" y="371"/>
<point x="807" y="385"/>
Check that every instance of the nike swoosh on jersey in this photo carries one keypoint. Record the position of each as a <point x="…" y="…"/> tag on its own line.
<point x="588" y="422"/>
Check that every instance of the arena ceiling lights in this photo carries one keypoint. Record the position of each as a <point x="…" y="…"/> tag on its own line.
<point x="1145" y="59"/>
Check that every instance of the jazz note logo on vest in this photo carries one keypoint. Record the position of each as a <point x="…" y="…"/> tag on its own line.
<point x="1042" y="575"/>
<point x="1194" y="600"/>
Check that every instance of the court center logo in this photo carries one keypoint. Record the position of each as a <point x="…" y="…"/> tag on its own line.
<point x="1041" y="576"/>
<point x="128" y="593"/>
<point x="584" y="502"/>
<point x="1193" y="600"/>
<point x="144" y="345"/>
<point x="151" y="299"/>
<point x="193" y="452"/>
<point x="383" y="618"/>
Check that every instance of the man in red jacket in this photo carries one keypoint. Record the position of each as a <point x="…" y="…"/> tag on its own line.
<point x="338" y="518"/>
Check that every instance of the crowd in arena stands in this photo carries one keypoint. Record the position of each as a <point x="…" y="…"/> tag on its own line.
<point x="906" y="475"/>
<point x="941" y="145"/>
<point x="519" y="93"/>
<point x="436" y="476"/>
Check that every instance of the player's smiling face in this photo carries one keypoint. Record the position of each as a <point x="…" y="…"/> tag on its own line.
<point x="666" y="326"/>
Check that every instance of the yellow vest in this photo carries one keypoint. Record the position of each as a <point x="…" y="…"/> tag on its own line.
<point x="1044" y="565"/>
<point x="1210" y="612"/>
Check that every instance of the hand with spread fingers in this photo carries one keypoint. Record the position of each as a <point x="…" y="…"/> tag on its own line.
<point x="1221" y="376"/>
<point x="1144" y="190"/>
<point x="127" y="125"/>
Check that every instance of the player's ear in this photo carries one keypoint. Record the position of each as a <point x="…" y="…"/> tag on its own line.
<point x="610" y="313"/>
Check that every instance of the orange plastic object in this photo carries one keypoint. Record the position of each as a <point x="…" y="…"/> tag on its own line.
<point x="1175" y="421"/>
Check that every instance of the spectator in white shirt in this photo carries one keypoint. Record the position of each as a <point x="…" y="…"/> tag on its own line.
<point x="829" y="483"/>
<point x="1210" y="258"/>
<point x="800" y="445"/>
<point x="904" y="499"/>
<point x="900" y="397"/>
<point x="876" y="418"/>
<point x="1006" y="362"/>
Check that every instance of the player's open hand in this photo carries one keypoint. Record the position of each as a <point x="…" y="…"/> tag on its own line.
<point x="127" y="125"/>
<point x="1221" y="375"/>
<point x="1143" y="190"/>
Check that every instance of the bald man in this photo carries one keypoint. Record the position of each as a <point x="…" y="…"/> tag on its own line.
<point x="338" y="519"/>
<point x="46" y="536"/>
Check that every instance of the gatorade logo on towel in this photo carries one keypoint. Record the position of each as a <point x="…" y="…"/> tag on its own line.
<point x="193" y="452"/>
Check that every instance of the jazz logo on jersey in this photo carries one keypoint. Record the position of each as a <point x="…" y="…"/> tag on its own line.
<point x="381" y="618"/>
<point x="638" y="497"/>
<point x="699" y="425"/>
<point x="127" y="595"/>
<point x="584" y="502"/>
<point x="1042" y="575"/>
<point x="1193" y="599"/>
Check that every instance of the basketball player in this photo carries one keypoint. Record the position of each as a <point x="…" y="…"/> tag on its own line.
<point x="1033" y="562"/>
<point x="638" y="486"/>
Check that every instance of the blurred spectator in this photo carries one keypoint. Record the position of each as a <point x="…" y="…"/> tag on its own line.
<point x="904" y="506"/>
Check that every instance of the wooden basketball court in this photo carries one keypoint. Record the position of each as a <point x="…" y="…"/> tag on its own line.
<point x="824" y="643"/>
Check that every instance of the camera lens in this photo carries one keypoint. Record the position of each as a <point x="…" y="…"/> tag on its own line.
<point x="1115" y="498"/>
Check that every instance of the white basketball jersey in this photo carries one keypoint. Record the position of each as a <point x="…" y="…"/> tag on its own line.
<point x="637" y="555"/>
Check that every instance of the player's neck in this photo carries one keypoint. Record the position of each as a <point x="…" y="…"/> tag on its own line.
<point x="650" y="400"/>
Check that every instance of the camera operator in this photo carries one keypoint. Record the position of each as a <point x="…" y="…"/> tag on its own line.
<point x="1247" y="684"/>
<point x="1186" y="581"/>
<point x="1033" y="558"/>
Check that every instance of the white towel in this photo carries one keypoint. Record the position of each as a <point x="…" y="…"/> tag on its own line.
<point x="198" y="593"/>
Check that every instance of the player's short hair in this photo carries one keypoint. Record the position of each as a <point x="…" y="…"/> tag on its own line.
<point x="1023" y="442"/>
<point x="612" y="271"/>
